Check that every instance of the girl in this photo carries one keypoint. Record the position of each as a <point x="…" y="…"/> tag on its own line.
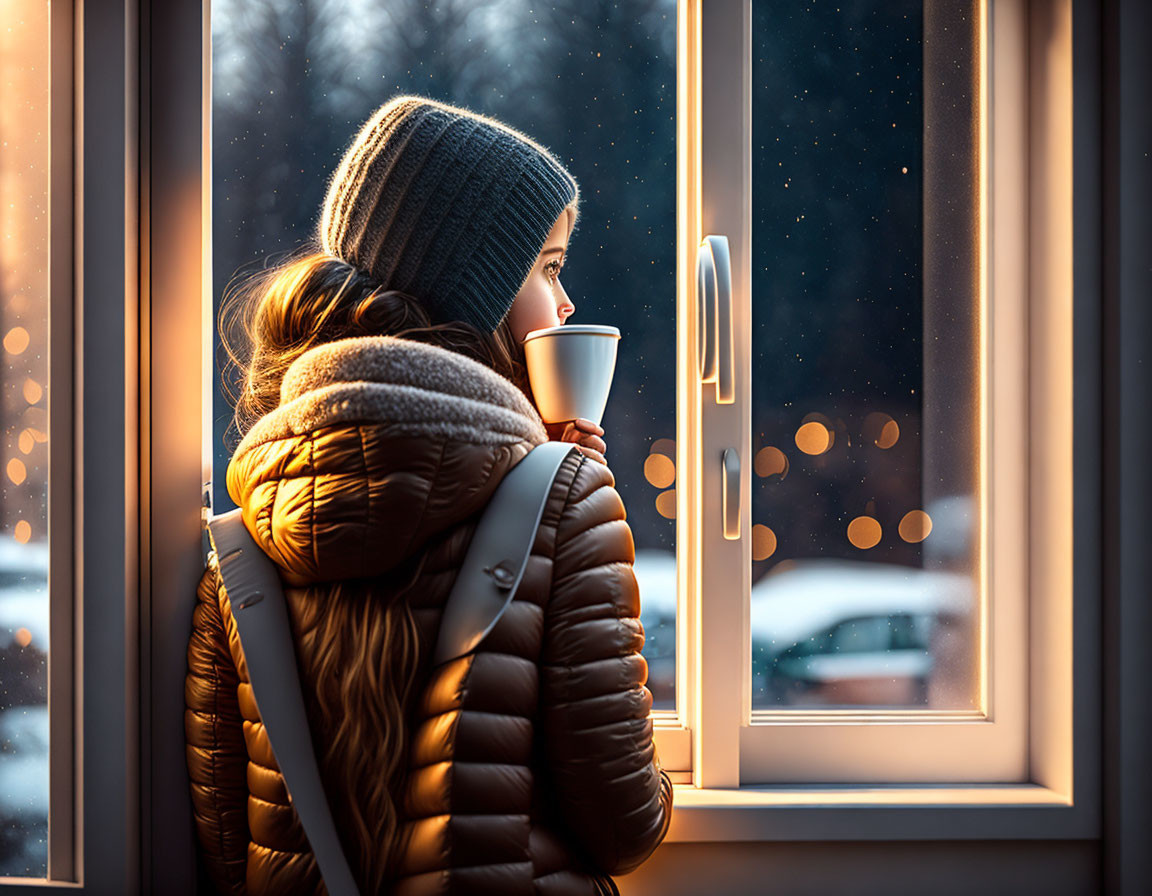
<point x="384" y="397"/>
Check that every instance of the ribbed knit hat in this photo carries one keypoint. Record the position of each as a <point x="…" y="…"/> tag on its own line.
<point x="447" y="205"/>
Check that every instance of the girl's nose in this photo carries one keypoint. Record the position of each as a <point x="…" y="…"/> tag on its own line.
<point x="566" y="308"/>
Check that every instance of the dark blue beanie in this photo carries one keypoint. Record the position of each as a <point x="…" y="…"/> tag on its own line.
<point x="447" y="205"/>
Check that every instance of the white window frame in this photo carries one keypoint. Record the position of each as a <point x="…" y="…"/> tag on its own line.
<point x="1025" y="774"/>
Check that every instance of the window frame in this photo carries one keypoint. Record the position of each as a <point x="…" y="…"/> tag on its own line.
<point x="94" y="479"/>
<point x="1030" y="163"/>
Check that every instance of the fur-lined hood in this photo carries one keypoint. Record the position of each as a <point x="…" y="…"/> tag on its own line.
<point x="378" y="445"/>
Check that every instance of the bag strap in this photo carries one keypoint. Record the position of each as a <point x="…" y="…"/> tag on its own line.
<point x="498" y="552"/>
<point x="253" y="587"/>
<point x="486" y="584"/>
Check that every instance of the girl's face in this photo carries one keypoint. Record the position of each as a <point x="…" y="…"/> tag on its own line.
<point x="542" y="301"/>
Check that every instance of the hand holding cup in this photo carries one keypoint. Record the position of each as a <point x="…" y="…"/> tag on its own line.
<point x="583" y="433"/>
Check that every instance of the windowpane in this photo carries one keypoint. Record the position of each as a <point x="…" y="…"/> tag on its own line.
<point x="25" y="84"/>
<point x="864" y="360"/>
<point x="593" y="81"/>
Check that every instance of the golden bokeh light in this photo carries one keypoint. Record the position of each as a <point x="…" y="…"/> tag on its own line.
<point x="814" y="438"/>
<point x="32" y="391"/>
<point x="17" y="472"/>
<point x="770" y="461"/>
<point x="666" y="504"/>
<point x="915" y="526"/>
<point x="37" y="436"/>
<point x="659" y="470"/>
<point x="864" y="532"/>
<point x="26" y="442"/>
<point x="23" y="637"/>
<point x="763" y="542"/>
<point x="36" y="418"/>
<point x="23" y="532"/>
<point x="16" y="341"/>
<point x="667" y="447"/>
<point x="881" y="430"/>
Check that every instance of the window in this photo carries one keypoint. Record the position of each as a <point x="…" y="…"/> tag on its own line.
<point x="977" y="315"/>
<point x="36" y="788"/>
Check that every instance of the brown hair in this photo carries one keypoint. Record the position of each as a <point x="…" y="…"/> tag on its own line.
<point x="365" y="639"/>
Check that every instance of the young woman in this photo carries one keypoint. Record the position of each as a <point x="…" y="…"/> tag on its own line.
<point x="383" y="399"/>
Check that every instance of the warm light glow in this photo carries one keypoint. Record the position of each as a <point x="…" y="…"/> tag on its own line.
<point x="32" y="391"/>
<point x="23" y="532"/>
<point x="16" y="340"/>
<point x="770" y="461"/>
<point x="864" y="532"/>
<point x="667" y="447"/>
<point x="17" y="472"/>
<point x="915" y="526"/>
<point x="814" y="438"/>
<point x="23" y="637"/>
<point x="659" y="470"/>
<point x="881" y="430"/>
<point x="666" y="504"/>
<point x="26" y="442"/>
<point x="763" y="542"/>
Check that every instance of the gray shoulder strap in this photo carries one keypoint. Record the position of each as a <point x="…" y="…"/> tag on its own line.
<point x="253" y="587"/>
<point x="498" y="552"/>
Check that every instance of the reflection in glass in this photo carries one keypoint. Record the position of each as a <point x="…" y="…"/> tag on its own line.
<point x="592" y="80"/>
<point x="865" y="310"/>
<point x="24" y="394"/>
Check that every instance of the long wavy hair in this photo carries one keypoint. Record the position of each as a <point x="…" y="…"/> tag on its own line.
<point x="365" y="643"/>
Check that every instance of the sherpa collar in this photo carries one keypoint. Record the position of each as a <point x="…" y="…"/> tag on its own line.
<point x="414" y="387"/>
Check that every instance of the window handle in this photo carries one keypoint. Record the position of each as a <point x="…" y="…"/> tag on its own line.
<point x="730" y="494"/>
<point x="714" y="316"/>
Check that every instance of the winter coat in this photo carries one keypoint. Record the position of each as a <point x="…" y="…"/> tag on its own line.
<point x="531" y="766"/>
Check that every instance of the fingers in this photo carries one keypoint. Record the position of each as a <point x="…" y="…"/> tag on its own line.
<point x="592" y="453"/>
<point x="588" y="426"/>
<point x="584" y="434"/>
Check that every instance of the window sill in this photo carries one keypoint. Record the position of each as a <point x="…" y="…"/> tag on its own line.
<point x="892" y="812"/>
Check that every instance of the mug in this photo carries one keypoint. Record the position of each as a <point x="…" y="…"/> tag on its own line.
<point x="570" y="368"/>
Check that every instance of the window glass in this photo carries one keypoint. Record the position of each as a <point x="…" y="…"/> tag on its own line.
<point x="25" y="85"/>
<point x="864" y="362"/>
<point x="593" y="82"/>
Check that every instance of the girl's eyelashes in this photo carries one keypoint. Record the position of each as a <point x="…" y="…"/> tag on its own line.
<point x="552" y="269"/>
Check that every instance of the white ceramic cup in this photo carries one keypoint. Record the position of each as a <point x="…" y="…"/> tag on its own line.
<point x="570" y="368"/>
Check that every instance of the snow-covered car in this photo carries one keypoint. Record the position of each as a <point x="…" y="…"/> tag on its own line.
<point x="841" y="632"/>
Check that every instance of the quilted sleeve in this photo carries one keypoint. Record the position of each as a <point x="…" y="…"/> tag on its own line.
<point x="214" y="744"/>
<point x="610" y="789"/>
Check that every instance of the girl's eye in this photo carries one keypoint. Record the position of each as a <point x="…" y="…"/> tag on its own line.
<point x="553" y="269"/>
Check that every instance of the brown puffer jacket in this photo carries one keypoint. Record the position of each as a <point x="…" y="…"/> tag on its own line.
<point x="531" y="767"/>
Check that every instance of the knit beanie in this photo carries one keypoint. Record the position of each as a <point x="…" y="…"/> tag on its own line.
<point x="446" y="205"/>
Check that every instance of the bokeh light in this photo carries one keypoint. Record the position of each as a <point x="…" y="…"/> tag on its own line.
<point x="915" y="526"/>
<point x="17" y="472"/>
<point x="16" y="341"/>
<point x="763" y="542"/>
<point x="659" y="470"/>
<point x="666" y="504"/>
<point x="864" y="532"/>
<point x="770" y="461"/>
<point x="813" y="438"/>
<point x="881" y="430"/>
